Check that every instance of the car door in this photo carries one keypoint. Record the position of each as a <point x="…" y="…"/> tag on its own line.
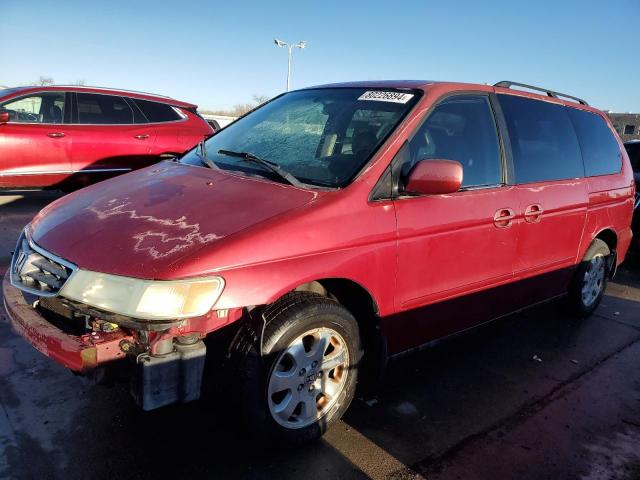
<point x="34" y="145"/>
<point x="175" y="134"/>
<point x="106" y="140"/>
<point x="551" y="188"/>
<point x="455" y="244"/>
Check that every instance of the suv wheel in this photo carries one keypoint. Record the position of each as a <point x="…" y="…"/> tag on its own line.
<point x="305" y="377"/>
<point x="590" y="280"/>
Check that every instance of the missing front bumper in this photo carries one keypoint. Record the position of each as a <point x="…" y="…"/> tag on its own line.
<point x="78" y="353"/>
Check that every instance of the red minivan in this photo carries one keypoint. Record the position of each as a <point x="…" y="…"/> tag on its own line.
<point x="330" y="229"/>
<point x="69" y="136"/>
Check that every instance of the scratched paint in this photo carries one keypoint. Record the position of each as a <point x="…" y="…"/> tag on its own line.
<point x="175" y="234"/>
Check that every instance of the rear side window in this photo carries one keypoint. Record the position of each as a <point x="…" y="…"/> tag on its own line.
<point x="461" y="128"/>
<point x="543" y="140"/>
<point x="600" y="150"/>
<point x="97" y="109"/>
<point x="157" y="112"/>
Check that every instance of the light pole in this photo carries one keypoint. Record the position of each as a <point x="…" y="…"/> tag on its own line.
<point x="282" y="44"/>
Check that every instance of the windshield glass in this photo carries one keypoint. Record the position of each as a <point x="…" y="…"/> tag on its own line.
<point x="323" y="137"/>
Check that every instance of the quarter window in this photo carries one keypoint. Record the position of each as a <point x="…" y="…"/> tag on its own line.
<point x="103" y="109"/>
<point x="461" y="128"/>
<point x="157" y="112"/>
<point x="46" y="107"/>
<point x="600" y="150"/>
<point x="543" y="141"/>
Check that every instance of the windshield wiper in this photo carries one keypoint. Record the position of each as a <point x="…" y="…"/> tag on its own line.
<point x="274" y="167"/>
<point x="203" y="156"/>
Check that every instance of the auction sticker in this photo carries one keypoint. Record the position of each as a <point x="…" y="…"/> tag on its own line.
<point x="382" y="96"/>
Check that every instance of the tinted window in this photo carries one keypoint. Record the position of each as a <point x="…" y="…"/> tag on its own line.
<point x="629" y="129"/>
<point x="157" y="112"/>
<point x="600" y="150"/>
<point x="543" y="141"/>
<point x="461" y="128"/>
<point x="39" y="108"/>
<point x="103" y="109"/>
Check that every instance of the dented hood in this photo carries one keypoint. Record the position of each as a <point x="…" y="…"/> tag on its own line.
<point x="141" y="223"/>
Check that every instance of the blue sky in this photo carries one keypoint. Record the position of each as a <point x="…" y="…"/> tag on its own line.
<point x="217" y="54"/>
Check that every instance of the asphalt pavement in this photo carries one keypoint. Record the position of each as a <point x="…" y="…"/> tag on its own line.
<point x="536" y="395"/>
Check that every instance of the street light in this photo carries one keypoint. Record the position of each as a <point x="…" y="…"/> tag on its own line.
<point x="282" y="44"/>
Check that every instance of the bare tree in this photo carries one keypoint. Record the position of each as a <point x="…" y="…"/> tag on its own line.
<point x="260" y="99"/>
<point x="240" y="109"/>
<point x="80" y="82"/>
<point x="43" y="81"/>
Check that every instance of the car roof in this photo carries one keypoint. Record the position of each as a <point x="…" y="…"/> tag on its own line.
<point x="104" y="90"/>
<point x="425" y="84"/>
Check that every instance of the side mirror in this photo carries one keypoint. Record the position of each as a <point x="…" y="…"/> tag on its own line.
<point x="432" y="177"/>
<point x="4" y="117"/>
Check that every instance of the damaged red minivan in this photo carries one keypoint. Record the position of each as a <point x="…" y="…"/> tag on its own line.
<point x="299" y="248"/>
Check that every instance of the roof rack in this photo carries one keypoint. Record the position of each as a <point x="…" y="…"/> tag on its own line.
<point x="550" y="93"/>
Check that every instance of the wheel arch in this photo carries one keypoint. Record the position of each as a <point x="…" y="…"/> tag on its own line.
<point x="364" y="307"/>
<point x="609" y="236"/>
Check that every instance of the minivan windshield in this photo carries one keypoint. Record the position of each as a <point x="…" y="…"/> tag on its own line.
<point x="322" y="137"/>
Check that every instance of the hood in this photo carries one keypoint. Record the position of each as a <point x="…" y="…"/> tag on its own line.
<point x="141" y="223"/>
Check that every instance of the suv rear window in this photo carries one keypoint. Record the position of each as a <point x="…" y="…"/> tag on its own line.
<point x="544" y="143"/>
<point x="600" y="150"/>
<point x="103" y="109"/>
<point x="157" y="112"/>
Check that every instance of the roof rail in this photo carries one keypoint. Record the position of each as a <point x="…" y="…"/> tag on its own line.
<point x="114" y="89"/>
<point x="550" y="93"/>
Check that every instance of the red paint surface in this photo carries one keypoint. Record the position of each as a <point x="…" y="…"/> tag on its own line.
<point x="29" y="155"/>
<point x="173" y="221"/>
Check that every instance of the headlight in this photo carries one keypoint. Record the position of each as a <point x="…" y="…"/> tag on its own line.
<point x="144" y="299"/>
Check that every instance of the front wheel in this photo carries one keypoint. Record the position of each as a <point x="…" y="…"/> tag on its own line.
<point x="305" y="377"/>
<point x="590" y="281"/>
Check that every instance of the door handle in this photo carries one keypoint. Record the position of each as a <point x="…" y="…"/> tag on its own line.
<point x="533" y="213"/>
<point x="55" y="134"/>
<point x="142" y="136"/>
<point x="504" y="217"/>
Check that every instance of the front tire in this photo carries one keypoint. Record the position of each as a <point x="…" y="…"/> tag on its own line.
<point x="305" y="376"/>
<point x="590" y="280"/>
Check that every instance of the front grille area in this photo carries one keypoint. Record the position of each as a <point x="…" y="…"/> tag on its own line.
<point x="36" y="271"/>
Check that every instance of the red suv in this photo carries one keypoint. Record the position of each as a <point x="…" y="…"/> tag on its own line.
<point x="328" y="230"/>
<point x="70" y="136"/>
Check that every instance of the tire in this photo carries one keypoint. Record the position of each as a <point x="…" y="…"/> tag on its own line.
<point x="278" y="388"/>
<point x="590" y="280"/>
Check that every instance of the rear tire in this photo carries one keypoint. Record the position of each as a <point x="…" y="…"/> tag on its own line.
<point x="590" y="280"/>
<point x="305" y="377"/>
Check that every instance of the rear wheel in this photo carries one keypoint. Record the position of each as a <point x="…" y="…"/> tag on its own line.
<point x="590" y="281"/>
<point x="305" y="377"/>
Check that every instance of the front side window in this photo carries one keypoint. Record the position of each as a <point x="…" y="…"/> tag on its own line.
<point x="96" y="109"/>
<point x="543" y="140"/>
<point x="322" y="137"/>
<point x="461" y="128"/>
<point x="600" y="150"/>
<point x="46" y="107"/>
